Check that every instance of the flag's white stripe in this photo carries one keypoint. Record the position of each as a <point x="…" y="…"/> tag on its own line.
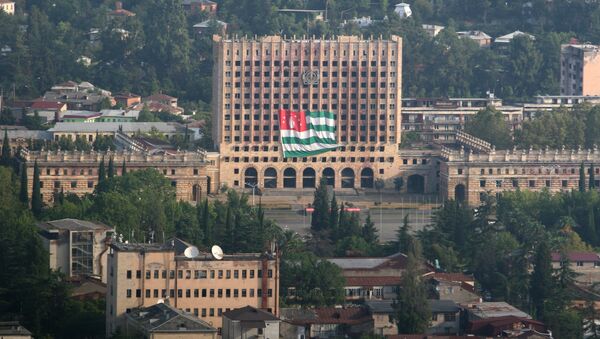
<point x="307" y="134"/>
<point x="311" y="147"/>
<point x="320" y="121"/>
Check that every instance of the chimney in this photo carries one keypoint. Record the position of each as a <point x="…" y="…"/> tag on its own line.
<point x="118" y="5"/>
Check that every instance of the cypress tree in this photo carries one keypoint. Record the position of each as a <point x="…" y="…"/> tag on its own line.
<point x="334" y="216"/>
<point x="36" y="194"/>
<point x="581" y="178"/>
<point x="228" y="230"/>
<point x="542" y="282"/>
<point x="369" y="232"/>
<point x="101" y="172"/>
<point x="320" y="216"/>
<point x="23" y="196"/>
<point x="590" y="231"/>
<point x="123" y="168"/>
<point x="111" y="168"/>
<point x="206" y="223"/>
<point x="592" y="181"/>
<point x="61" y="196"/>
<point x="403" y="236"/>
<point x="5" y="158"/>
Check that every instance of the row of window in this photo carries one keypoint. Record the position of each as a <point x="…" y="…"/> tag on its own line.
<point x="447" y="316"/>
<point x="90" y="171"/>
<point x="533" y="183"/>
<point x="275" y="138"/>
<point x="198" y="274"/>
<point x="267" y="128"/>
<point x="539" y="170"/>
<point x="305" y="63"/>
<point x="312" y="159"/>
<point x="267" y="117"/>
<point x="324" y="74"/>
<point x="296" y="84"/>
<point x="197" y="293"/>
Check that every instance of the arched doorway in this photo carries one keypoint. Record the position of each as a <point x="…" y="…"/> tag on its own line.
<point x="196" y="193"/>
<point x="415" y="184"/>
<point x="289" y="178"/>
<point x="250" y="177"/>
<point x="270" y="180"/>
<point x="329" y="175"/>
<point x="347" y="178"/>
<point x="309" y="178"/>
<point x="460" y="193"/>
<point x="366" y="178"/>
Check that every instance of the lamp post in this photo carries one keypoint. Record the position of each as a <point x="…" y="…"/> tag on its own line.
<point x="253" y="186"/>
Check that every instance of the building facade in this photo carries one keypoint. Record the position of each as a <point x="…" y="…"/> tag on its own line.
<point x="579" y="70"/>
<point x="193" y="174"/>
<point x="77" y="248"/>
<point x="359" y="80"/>
<point x="141" y="275"/>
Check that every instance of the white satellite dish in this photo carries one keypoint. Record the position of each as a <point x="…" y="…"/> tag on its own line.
<point x="191" y="252"/>
<point x="160" y="301"/>
<point x="217" y="252"/>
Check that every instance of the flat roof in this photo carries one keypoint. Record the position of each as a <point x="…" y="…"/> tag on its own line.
<point x="74" y="225"/>
<point x="131" y="127"/>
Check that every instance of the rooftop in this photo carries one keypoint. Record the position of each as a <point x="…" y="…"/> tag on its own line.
<point x="27" y="134"/>
<point x="443" y="306"/>
<point x="458" y="277"/>
<point x="13" y="329"/>
<point x="126" y="127"/>
<point x="250" y="314"/>
<point x="577" y="256"/>
<point x="159" y="97"/>
<point x="397" y="260"/>
<point x="47" y="105"/>
<point x="486" y="310"/>
<point x="380" y="306"/>
<point x="373" y="281"/>
<point x="164" y="318"/>
<point x="508" y="37"/>
<point x="74" y="225"/>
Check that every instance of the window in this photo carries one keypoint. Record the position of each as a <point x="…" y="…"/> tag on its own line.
<point x="565" y="183"/>
<point x="434" y="317"/>
<point x="498" y="183"/>
<point x="212" y="293"/>
<point x="148" y="273"/>
<point x="236" y="293"/>
<point x="204" y="312"/>
<point x="579" y="263"/>
<point x="228" y="293"/>
<point x="481" y="183"/>
<point x="220" y="274"/>
<point x="128" y="293"/>
<point x="228" y="274"/>
<point x="138" y="274"/>
<point x="251" y="274"/>
<point x="531" y="183"/>
<point x="243" y="293"/>
<point x="147" y="293"/>
<point x="449" y="317"/>
<point x="236" y="274"/>
<point x="188" y="293"/>
<point x="212" y="312"/>
<point x="128" y="274"/>
<point x="460" y="171"/>
<point x="204" y="293"/>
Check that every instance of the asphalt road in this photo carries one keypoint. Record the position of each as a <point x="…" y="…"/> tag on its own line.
<point x="387" y="222"/>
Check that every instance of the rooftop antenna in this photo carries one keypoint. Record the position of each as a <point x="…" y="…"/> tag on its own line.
<point x="217" y="252"/>
<point x="191" y="252"/>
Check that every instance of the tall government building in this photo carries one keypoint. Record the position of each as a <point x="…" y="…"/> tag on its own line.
<point x="359" y="80"/>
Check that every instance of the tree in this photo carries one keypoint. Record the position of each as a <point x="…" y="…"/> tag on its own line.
<point x="5" y="158"/>
<point x="590" y="316"/>
<point x="123" y="168"/>
<point x="398" y="183"/>
<point x="411" y="308"/>
<point x="101" y="172"/>
<point x="403" y="236"/>
<point x="369" y="232"/>
<point x="320" y="215"/>
<point x="334" y="224"/>
<point x="23" y="195"/>
<point x="592" y="180"/>
<point x="542" y="283"/>
<point x="36" y="195"/>
<point x="489" y="125"/>
<point x="581" y="178"/>
<point x="111" y="168"/>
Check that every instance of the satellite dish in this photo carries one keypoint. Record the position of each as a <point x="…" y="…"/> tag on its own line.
<point x="160" y="301"/>
<point x="191" y="252"/>
<point x="217" y="252"/>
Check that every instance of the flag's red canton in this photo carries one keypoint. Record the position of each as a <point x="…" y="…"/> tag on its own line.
<point x="289" y="120"/>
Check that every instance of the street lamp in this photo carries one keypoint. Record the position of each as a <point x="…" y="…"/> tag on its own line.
<point x="253" y="186"/>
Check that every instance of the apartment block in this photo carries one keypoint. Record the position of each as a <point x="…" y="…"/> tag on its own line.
<point x="579" y="70"/>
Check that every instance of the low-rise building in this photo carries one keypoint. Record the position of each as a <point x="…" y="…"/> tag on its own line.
<point x="141" y="275"/>
<point x="432" y="30"/>
<point x="192" y="174"/>
<point x="23" y="138"/>
<point x="496" y="309"/>
<point x="88" y="132"/>
<point x="383" y="317"/>
<point x="480" y="38"/>
<point x="48" y="110"/>
<point x="77" y="248"/>
<point x="119" y="11"/>
<point x="445" y="317"/>
<point x="82" y="96"/>
<point x="163" y="321"/>
<point x="456" y="287"/>
<point x="202" y="27"/>
<point x="506" y="39"/>
<point x="329" y="322"/>
<point x="509" y="327"/>
<point x="195" y="6"/>
<point x="7" y="6"/>
<point x="13" y="330"/>
<point x="249" y="322"/>
<point x="127" y="99"/>
<point x="585" y="264"/>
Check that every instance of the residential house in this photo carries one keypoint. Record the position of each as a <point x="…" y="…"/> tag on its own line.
<point x="82" y="96"/>
<point x="506" y="39"/>
<point x="585" y="264"/>
<point x="73" y="130"/>
<point x="456" y="287"/>
<point x="203" y="26"/>
<point x="160" y="102"/>
<point x="482" y="39"/>
<point x="361" y="22"/>
<point x="445" y="317"/>
<point x="119" y="11"/>
<point x="13" y="330"/>
<point x="77" y="247"/>
<point x="509" y="327"/>
<point x="127" y="99"/>
<point x="163" y="321"/>
<point x="432" y="30"/>
<point x="87" y="288"/>
<point x="7" y="6"/>
<point x="497" y="309"/>
<point x="118" y="115"/>
<point x="289" y="329"/>
<point x="195" y="6"/>
<point x="48" y="110"/>
<point x="403" y="10"/>
<point x="249" y="322"/>
<point x="331" y="322"/>
<point x="372" y="278"/>
<point x="382" y="313"/>
<point x="80" y="116"/>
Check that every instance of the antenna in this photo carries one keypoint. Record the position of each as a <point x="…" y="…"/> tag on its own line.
<point x="217" y="252"/>
<point x="191" y="252"/>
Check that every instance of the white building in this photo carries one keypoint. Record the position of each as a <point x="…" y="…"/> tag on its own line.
<point x="403" y="10"/>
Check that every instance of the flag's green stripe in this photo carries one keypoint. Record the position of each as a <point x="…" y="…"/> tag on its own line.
<point x="292" y="154"/>
<point x="307" y="141"/>
<point x="321" y="114"/>
<point x="325" y="128"/>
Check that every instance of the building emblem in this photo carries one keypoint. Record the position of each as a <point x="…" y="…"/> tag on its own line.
<point x="310" y="77"/>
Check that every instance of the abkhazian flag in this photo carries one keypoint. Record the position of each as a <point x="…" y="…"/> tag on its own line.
<point x="306" y="133"/>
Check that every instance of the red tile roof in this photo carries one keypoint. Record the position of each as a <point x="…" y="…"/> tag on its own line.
<point x="126" y="96"/>
<point x="493" y="326"/>
<point x="159" y="97"/>
<point x="577" y="256"/>
<point x="458" y="277"/>
<point x="47" y="105"/>
<point x="373" y="281"/>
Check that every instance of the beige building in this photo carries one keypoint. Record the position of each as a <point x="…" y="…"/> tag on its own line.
<point x="250" y="322"/>
<point x="77" y="248"/>
<point x="585" y="264"/>
<point x="163" y="321"/>
<point x="141" y="275"/>
<point x="193" y="174"/>
<point x="7" y="6"/>
<point x="357" y="79"/>
<point x="88" y="131"/>
<point x="579" y="70"/>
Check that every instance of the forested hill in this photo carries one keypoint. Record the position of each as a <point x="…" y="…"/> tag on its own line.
<point x="43" y="41"/>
